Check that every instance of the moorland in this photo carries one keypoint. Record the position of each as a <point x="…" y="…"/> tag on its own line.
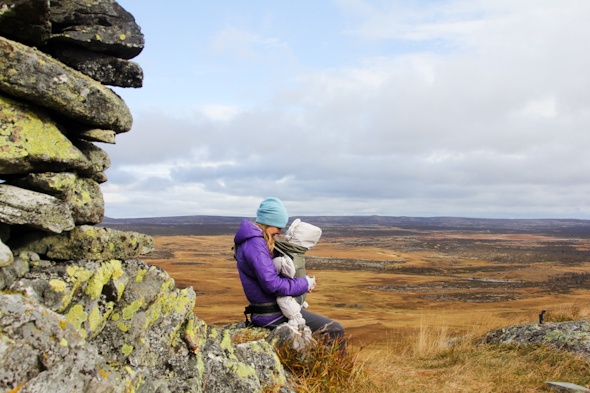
<point x="390" y="278"/>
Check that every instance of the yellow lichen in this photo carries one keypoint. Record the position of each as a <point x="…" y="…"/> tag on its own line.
<point x="117" y="269"/>
<point x="57" y="285"/>
<point x="227" y="344"/>
<point x="94" y="319"/>
<point x="29" y="135"/>
<point x="242" y="370"/>
<point x="140" y="274"/>
<point x="127" y="349"/>
<point x="104" y="373"/>
<point x="76" y="316"/>
<point x="100" y="277"/>
<point x="78" y="273"/>
<point x="120" y="286"/>
<point x="183" y="301"/>
<point x="130" y="310"/>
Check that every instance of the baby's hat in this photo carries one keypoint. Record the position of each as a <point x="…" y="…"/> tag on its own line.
<point x="303" y="234"/>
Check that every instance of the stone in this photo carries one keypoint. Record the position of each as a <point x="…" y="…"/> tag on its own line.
<point x="83" y="196"/>
<point x="96" y="135"/>
<point x="13" y="272"/>
<point x="226" y="375"/>
<point x="6" y="257"/>
<point x="26" y="21"/>
<point x="148" y="317"/>
<point x="98" y="158"/>
<point x="571" y="336"/>
<point x="130" y="311"/>
<point x="99" y="177"/>
<point x="98" y="25"/>
<point x="287" y="335"/>
<point x="106" y="69"/>
<point x="567" y="387"/>
<point x="27" y="73"/>
<point x="30" y="141"/>
<point x="41" y="352"/>
<point x="261" y="356"/>
<point x="85" y="242"/>
<point x="24" y="207"/>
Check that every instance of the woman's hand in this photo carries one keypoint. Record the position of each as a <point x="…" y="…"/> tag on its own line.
<point x="311" y="283"/>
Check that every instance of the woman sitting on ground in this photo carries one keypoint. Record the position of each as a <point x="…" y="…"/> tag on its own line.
<point x="254" y="250"/>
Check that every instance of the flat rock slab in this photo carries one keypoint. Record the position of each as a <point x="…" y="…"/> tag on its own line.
<point x="98" y="25"/>
<point x="24" y="207"/>
<point x="6" y="256"/>
<point x="86" y="242"/>
<point x="31" y="141"/>
<point x="567" y="387"/>
<point x="30" y="74"/>
<point x="25" y="20"/>
<point x="83" y="196"/>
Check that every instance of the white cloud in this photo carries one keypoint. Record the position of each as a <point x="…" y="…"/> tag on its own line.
<point x="462" y="108"/>
<point x="243" y="43"/>
<point x="220" y="113"/>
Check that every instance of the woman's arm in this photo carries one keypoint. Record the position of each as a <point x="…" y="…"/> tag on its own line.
<point x="267" y="276"/>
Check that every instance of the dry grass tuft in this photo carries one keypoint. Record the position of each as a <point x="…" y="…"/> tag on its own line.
<point x="326" y="367"/>
<point x="245" y="335"/>
<point x="430" y="360"/>
<point x="566" y="313"/>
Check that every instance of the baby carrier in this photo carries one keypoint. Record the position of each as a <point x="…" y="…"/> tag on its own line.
<point x="294" y="252"/>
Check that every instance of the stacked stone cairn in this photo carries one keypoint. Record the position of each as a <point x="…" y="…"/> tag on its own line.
<point x="78" y="311"/>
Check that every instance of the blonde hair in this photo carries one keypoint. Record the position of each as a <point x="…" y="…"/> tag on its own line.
<point x="270" y="240"/>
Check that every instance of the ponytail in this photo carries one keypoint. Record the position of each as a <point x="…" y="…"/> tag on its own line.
<point x="270" y="240"/>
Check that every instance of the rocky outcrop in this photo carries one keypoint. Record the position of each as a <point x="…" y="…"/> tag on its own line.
<point x="572" y="336"/>
<point x="78" y="310"/>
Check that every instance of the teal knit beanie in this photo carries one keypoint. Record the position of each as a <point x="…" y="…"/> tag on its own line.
<point x="272" y="212"/>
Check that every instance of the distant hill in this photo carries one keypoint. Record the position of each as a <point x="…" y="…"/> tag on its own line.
<point x="355" y="225"/>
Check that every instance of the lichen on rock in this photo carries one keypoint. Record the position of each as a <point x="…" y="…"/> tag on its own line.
<point x="31" y="141"/>
<point x="571" y="336"/>
<point x="86" y="242"/>
<point x="78" y="311"/>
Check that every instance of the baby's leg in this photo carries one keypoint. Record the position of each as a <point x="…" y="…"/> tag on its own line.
<point x="291" y="309"/>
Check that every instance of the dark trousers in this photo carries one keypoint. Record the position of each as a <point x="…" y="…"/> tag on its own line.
<point x="317" y="323"/>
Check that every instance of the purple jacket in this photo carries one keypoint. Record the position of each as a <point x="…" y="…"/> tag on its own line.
<point x="260" y="280"/>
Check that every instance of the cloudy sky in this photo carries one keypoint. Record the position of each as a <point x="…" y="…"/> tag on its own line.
<point x="471" y="108"/>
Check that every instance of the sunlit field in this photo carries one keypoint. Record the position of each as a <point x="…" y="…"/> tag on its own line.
<point x="402" y="298"/>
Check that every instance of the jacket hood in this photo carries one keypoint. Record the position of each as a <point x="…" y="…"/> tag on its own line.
<point x="247" y="230"/>
<point x="303" y="234"/>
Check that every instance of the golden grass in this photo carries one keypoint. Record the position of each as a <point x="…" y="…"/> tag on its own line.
<point x="468" y="367"/>
<point x="326" y="368"/>
<point x="571" y="312"/>
<point x="400" y="342"/>
<point x="430" y="360"/>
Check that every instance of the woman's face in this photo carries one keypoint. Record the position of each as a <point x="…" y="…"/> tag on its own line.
<point x="273" y="231"/>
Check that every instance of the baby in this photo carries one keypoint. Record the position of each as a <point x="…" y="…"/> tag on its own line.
<point x="299" y="238"/>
